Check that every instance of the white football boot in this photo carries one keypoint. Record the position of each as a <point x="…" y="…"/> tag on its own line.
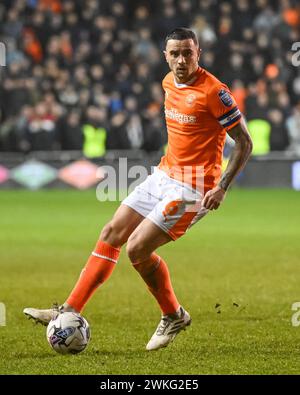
<point x="43" y="316"/>
<point x="168" y="328"/>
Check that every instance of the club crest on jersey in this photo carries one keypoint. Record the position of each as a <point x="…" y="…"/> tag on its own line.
<point x="190" y="100"/>
<point x="225" y="98"/>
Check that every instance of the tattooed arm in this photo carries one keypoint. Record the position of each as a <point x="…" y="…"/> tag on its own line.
<point x="237" y="160"/>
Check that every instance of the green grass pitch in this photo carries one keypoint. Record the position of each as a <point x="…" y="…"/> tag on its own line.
<point x="243" y="258"/>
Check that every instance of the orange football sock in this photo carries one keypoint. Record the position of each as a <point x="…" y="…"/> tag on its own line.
<point x="99" y="267"/>
<point x="159" y="284"/>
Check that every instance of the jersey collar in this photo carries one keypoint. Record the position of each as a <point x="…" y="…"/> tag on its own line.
<point x="190" y="82"/>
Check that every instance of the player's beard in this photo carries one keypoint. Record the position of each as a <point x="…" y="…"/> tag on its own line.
<point x="184" y="73"/>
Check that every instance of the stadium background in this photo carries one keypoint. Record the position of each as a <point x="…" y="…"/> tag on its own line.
<point x="81" y="88"/>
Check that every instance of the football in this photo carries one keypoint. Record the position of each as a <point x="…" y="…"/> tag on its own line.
<point x="69" y="333"/>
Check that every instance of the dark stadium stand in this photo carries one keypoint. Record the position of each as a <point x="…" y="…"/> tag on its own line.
<point x="99" y="63"/>
<point x="85" y="76"/>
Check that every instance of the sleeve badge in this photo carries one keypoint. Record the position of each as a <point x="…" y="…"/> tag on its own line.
<point x="225" y="98"/>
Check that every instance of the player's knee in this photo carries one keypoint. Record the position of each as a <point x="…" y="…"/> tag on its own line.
<point x="135" y="251"/>
<point x="112" y="235"/>
<point x="132" y="251"/>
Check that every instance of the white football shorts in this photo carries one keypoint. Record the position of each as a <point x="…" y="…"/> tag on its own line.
<point x="168" y="203"/>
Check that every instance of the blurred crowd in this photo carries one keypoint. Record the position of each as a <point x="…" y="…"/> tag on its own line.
<point x="80" y="72"/>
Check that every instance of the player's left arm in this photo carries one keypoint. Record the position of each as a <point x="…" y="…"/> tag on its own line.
<point x="237" y="160"/>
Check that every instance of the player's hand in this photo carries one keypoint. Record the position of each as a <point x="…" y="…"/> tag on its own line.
<point x="213" y="198"/>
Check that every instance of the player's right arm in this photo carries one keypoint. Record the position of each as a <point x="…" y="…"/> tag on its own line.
<point x="240" y="153"/>
<point x="223" y="107"/>
<point x="237" y="160"/>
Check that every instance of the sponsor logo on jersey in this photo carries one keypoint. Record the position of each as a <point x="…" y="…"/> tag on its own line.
<point x="179" y="117"/>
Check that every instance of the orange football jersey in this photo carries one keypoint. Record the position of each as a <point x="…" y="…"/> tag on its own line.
<point x="198" y="114"/>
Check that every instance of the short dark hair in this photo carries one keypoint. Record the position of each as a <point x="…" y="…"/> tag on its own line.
<point x="182" y="33"/>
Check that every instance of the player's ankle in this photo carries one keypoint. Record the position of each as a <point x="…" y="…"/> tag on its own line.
<point x="68" y="308"/>
<point x="176" y="314"/>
